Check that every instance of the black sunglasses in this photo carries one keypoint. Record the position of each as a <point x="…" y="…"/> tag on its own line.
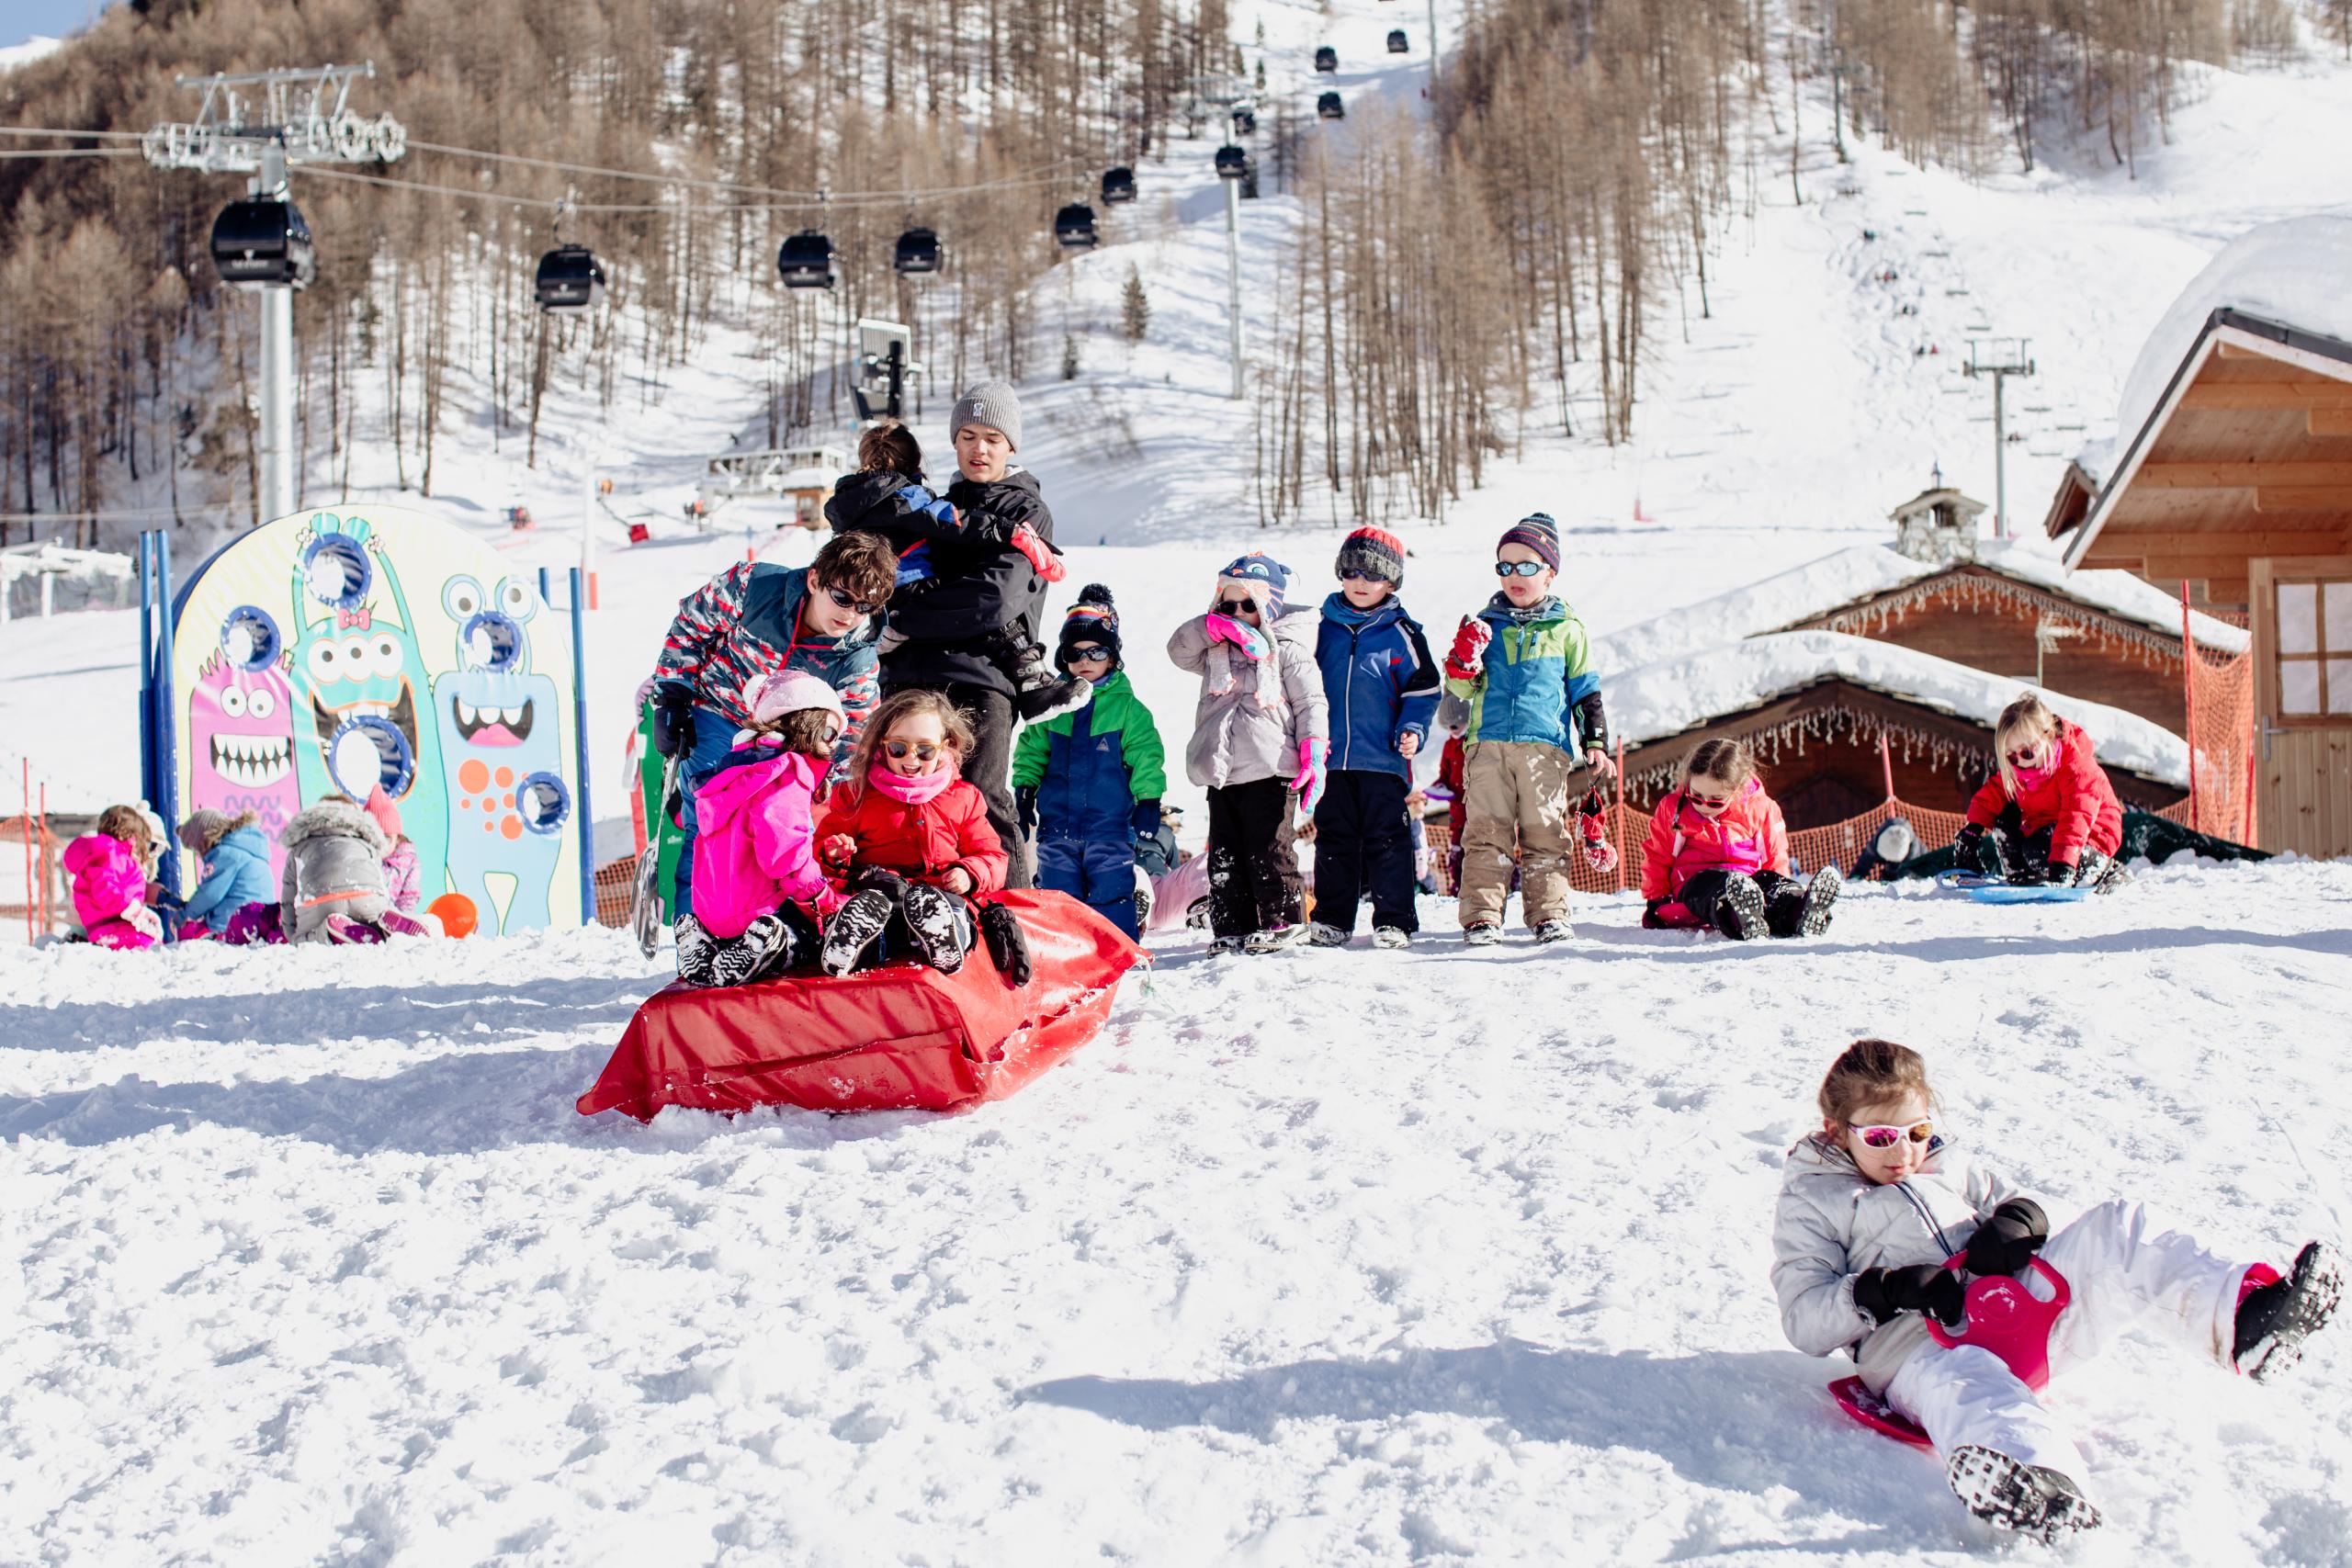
<point x="1358" y="574"/>
<point x="1086" y="652"/>
<point x="846" y="603"/>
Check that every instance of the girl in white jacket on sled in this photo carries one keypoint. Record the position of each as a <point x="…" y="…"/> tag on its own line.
<point x="1873" y="1205"/>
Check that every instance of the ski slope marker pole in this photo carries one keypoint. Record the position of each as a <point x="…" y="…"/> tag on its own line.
<point x="580" y="748"/>
<point x="167" y="799"/>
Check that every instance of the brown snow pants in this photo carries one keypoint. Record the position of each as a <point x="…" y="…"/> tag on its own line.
<point x="1515" y="790"/>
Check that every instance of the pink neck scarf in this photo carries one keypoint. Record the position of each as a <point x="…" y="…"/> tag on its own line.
<point x="908" y="791"/>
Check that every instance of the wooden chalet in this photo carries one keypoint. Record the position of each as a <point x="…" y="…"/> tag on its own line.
<point x="2239" y="482"/>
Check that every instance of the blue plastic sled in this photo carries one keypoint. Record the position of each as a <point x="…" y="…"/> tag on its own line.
<point x="1986" y="891"/>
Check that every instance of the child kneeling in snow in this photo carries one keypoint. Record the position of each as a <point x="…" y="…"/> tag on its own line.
<point x="334" y="888"/>
<point x="1718" y="855"/>
<point x="915" y="840"/>
<point x="113" y="868"/>
<point x="761" y="899"/>
<point x="2049" y="815"/>
<point x="236" y="870"/>
<point x="1873" y="1205"/>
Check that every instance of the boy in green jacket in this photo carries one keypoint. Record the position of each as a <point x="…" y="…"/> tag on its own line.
<point x="1087" y="784"/>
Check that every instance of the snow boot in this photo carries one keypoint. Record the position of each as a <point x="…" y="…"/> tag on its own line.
<point x="1273" y="940"/>
<point x="1323" y="935"/>
<point x="398" y="922"/>
<point x="2099" y="872"/>
<point x="1040" y="693"/>
<point x="1482" y="934"/>
<point x="853" y="930"/>
<point x="697" y="947"/>
<point x="1549" y="931"/>
<point x="1739" y="912"/>
<point x="1819" y="895"/>
<point x="1391" y="936"/>
<point x="2275" y="1319"/>
<point x="764" y="947"/>
<point x="1224" y="946"/>
<point x="2030" y="1499"/>
<point x="354" y="933"/>
<point x="940" y="924"/>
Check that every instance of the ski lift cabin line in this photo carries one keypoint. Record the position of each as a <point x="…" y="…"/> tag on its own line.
<point x="1118" y="186"/>
<point x="262" y="242"/>
<point x="1330" y="107"/>
<point x="1232" y="161"/>
<point x="917" y="253"/>
<point x="805" y="261"/>
<point x="1397" y="42"/>
<point x="1074" y="227"/>
<point x="1327" y="58"/>
<point x="569" y="279"/>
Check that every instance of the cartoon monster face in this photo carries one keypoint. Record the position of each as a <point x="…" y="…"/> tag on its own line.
<point x="358" y="663"/>
<point x="500" y="743"/>
<point x="241" y="726"/>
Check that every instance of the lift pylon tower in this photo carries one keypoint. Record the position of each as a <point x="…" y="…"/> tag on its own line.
<point x="264" y="123"/>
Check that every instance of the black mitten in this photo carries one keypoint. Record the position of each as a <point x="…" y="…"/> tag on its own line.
<point x="673" y="721"/>
<point x="1024" y="807"/>
<point x="880" y="879"/>
<point x="1008" y="948"/>
<point x="2004" y="1243"/>
<point x="1886" y="1293"/>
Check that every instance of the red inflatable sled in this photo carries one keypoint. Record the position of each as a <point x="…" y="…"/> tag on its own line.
<point x="902" y="1037"/>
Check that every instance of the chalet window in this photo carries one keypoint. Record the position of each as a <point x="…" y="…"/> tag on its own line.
<point x="2314" y="619"/>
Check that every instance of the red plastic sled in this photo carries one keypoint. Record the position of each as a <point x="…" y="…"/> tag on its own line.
<point x="2003" y="1316"/>
<point x="902" y="1037"/>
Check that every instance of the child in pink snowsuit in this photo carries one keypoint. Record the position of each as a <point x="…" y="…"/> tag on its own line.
<point x="760" y="896"/>
<point x="404" y="881"/>
<point x="111" y="868"/>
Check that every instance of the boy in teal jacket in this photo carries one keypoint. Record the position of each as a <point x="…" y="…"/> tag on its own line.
<point x="1087" y="784"/>
<point x="1521" y="664"/>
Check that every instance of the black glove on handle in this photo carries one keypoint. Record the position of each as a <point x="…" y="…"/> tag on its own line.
<point x="1008" y="949"/>
<point x="2006" y="1242"/>
<point x="673" y="721"/>
<point x="1886" y="1293"/>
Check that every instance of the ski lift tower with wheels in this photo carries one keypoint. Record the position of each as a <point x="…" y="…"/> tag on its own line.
<point x="1999" y="357"/>
<point x="301" y="117"/>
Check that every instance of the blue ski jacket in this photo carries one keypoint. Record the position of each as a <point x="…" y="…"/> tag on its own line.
<point x="236" y="874"/>
<point x="1380" y="680"/>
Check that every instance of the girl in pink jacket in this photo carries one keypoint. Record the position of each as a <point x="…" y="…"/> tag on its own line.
<point x="111" y="868"/>
<point x="760" y="897"/>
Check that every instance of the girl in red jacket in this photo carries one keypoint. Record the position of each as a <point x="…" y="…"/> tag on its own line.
<point x="2049" y="815"/>
<point x="1718" y="855"/>
<point x="915" y="839"/>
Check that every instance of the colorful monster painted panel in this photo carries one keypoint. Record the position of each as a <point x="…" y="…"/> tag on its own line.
<point x="329" y="652"/>
<point x="510" y="809"/>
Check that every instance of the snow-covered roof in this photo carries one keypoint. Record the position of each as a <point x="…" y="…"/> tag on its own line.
<point x="1851" y="575"/>
<point x="2292" y="271"/>
<point x="1700" y="685"/>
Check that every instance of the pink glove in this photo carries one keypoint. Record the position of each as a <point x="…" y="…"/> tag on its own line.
<point x="1041" y="555"/>
<point x="1310" y="782"/>
<point x="1248" y="638"/>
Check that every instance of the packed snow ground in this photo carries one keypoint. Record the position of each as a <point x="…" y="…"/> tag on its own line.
<point x="1344" y="1258"/>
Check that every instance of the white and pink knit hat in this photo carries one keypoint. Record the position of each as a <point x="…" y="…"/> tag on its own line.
<point x="770" y="696"/>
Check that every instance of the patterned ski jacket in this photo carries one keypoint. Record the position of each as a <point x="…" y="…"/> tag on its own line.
<point x="1090" y="767"/>
<point x="746" y="622"/>
<point x="1749" y="836"/>
<point x="2075" y="801"/>
<point x="1537" y="684"/>
<point x="1380" y="680"/>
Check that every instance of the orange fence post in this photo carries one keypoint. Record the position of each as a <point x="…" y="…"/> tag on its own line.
<point x="2189" y="698"/>
<point x="1886" y="767"/>
<point x="1622" y="843"/>
<point x="48" y="863"/>
<point x="25" y="827"/>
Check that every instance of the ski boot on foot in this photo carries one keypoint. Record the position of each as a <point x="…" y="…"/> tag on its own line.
<point x="1549" y="931"/>
<point x="764" y="947"/>
<point x="1391" y="936"/>
<point x="697" y="948"/>
<point x="937" y="920"/>
<point x="1482" y="934"/>
<point x="1819" y="895"/>
<point x="1322" y="935"/>
<point x="1273" y="940"/>
<point x="1739" y="913"/>
<point x="1225" y="947"/>
<point x="2030" y="1499"/>
<point x="853" y="929"/>
<point x="2275" y="1319"/>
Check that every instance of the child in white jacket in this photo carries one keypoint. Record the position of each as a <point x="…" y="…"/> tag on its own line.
<point x="1873" y="1205"/>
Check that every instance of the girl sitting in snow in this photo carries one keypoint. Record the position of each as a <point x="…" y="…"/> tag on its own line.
<point x="915" y="840"/>
<point x="236" y="870"/>
<point x="1718" y="855"/>
<point x="1873" y="1205"/>
<point x="113" y="869"/>
<point x="334" y="888"/>
<point x="760" y="897"/>
<point x="2049" y="815"/>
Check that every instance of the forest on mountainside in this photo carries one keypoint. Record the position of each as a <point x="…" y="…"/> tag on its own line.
<point x="1502" y="262"/>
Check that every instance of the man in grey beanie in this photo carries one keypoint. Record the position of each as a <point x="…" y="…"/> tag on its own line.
<point x="991" y="405"/>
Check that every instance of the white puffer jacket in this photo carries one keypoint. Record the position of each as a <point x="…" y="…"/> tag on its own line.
<point x="1833" y="1222"/>
<point x="1237" y="737"/>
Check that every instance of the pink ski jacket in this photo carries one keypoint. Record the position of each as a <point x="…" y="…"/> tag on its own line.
<point x="108" y="879"/>
<point x="754" y="850"/>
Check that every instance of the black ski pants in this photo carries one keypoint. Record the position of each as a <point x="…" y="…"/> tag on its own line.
<point x="1783" y="898"/>
<point x="1364" y="847"/>
<point x="1254" y="863"/>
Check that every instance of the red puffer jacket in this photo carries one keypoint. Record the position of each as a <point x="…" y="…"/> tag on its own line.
<point x="2075" y="801"/>
<point x="1748" y="837"/>
<point x="922" y="842"/>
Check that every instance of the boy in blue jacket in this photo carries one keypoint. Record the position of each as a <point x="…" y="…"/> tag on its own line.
<point x="1087" y="784"/>
<point x="1383" y="687"/>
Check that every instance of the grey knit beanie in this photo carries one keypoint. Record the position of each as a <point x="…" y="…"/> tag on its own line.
<point x="992" y="404"/>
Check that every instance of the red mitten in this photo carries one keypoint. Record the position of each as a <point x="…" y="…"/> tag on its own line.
<point x="1467" y="659"/>
<point x="1041" y="555"/>
<point x="1599" y="852"/>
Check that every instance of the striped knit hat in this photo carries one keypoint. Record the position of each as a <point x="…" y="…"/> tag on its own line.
<point x="1092" y="619"/>
<point x="1538" y="533"/>
<point x="1375" y="550"/>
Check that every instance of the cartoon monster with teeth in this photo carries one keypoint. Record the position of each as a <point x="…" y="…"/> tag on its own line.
<point x="240" y="727"/>
<point x="503" y="753"/>
<point x="358" y="663"/>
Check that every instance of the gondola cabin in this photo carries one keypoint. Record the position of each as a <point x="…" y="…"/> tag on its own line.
<point x="1245" y="122"/>
<point x="1327" y="58"/>
<point x="262" y="244"/>
<point x="1397" y="42"/>
<point x="805" y="261"/>
<point x="569" y="279"/>
<point x="1232" y="161"/>
<point x="1328" y="107"/>
<point x="918" y="253"/>
<point x="1118" y="186"/>
<point x="1074" y="227"/>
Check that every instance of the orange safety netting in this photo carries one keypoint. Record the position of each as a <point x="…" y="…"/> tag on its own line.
<point x="31" y="893"/>
<point x="2221" y="747"/>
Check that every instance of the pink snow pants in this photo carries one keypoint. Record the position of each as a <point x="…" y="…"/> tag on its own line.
<point x="2125" y="1274"/>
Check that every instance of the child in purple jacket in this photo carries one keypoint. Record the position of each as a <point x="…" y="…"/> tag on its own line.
<point x="760" y="896"/>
